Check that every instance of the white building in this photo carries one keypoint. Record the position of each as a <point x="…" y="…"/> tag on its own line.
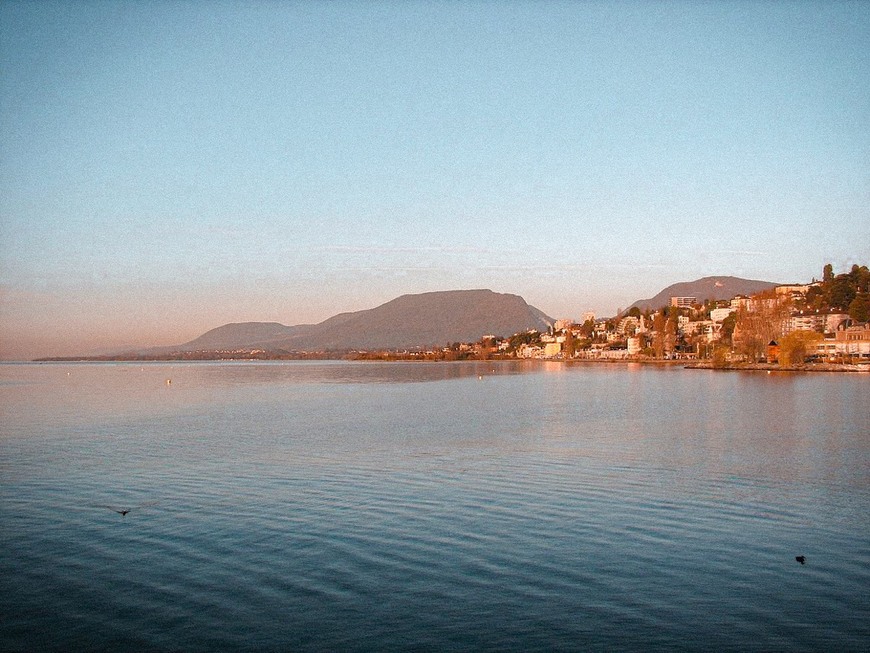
<point x="719" y="314"/>
<point x="795" y="291"/>
<point x="529" y="351"/>
<point x="811" y="322"/>
<point x="855" y="338"/>
<point x="852" y="341"/>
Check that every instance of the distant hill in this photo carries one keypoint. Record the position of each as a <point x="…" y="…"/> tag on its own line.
<point x="229" y="336"/>
<point x="706" y="288"/>
<point x="410" y="321"/>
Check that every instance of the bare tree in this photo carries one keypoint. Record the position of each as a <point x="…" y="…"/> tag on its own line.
<point x="759" y="323"/>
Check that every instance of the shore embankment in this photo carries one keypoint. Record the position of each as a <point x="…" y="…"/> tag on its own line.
<point x="773" y="367"/>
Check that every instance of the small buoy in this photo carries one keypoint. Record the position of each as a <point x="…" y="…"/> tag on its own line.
<point x="801" y="559"/>
<point x="168" y="381"/>
<point x="480" y="377"/>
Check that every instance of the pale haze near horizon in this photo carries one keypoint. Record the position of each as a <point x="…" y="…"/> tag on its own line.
<point x="166" y="168"/>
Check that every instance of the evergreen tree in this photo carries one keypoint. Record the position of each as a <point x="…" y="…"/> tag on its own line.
<point x="840" y="292"/>
<point x="859" y="308"/>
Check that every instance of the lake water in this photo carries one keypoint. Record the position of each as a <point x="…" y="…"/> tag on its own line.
<point x="431" y="507"/>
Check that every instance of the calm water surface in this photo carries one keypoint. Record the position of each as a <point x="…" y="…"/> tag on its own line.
<point x="460" y="506"/>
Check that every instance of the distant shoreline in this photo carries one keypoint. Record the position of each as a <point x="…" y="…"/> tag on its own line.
<point x="689" y="365"/>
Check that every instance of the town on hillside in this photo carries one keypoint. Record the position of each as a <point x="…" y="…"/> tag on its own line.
<point x="825" y="321"/>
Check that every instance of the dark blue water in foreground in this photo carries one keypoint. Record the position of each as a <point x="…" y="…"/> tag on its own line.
<point x="368" y="507"/>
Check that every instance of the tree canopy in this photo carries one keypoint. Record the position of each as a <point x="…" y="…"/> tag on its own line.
<point x="846" y="293"/>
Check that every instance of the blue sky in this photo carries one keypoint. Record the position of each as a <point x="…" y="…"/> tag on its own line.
<point x="167" y="167"/>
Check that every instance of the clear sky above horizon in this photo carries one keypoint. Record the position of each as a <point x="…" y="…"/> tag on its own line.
<point x="167" y="167"/>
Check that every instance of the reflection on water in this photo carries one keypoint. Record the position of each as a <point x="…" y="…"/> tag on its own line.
<point x="491" y="505"/>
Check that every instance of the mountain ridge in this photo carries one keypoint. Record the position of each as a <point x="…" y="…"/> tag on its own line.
<point x="409" y="321"/>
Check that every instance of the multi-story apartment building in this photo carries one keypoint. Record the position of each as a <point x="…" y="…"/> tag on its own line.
<point x="719" y="314"/>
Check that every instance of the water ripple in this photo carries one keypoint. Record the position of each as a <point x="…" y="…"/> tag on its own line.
<point x="414" y="528"/>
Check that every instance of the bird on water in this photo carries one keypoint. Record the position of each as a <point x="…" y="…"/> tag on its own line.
<point x="123" y="511"/>
<point x="801" y="559"/>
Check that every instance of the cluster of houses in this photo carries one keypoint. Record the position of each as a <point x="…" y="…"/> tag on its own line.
<point x="688" y="329"/>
